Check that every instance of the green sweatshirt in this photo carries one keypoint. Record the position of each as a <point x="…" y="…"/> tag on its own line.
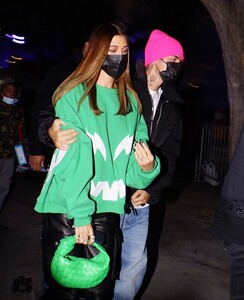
<point x="92" y="175"/>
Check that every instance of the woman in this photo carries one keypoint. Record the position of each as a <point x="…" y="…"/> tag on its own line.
<point x="85" y="187"/>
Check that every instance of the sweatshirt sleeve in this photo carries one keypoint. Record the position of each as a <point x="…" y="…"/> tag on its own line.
<point x="71" y="171"/>
<point x="79" y="173"/>
<point x="136" y="177"/>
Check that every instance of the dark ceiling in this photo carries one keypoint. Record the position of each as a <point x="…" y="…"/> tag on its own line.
<point x="48" y="23"/>
<point x="51" y="27"/>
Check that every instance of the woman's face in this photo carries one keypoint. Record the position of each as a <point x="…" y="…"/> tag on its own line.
<point x="118" y="45"/>
<point x="116" y="61"/>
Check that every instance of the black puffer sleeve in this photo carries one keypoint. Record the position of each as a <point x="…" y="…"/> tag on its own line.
<point x="45" y="121"/>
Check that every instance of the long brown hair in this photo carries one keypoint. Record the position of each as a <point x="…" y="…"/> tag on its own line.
<point x="89" y="69"/>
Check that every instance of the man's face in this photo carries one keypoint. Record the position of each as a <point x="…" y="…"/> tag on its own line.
<point x="154" y="80"/>
<point x="9" y="91"/>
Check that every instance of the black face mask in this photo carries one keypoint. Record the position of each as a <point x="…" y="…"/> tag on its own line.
<point x="172" y="73"/>
<point x="114" y="65"/>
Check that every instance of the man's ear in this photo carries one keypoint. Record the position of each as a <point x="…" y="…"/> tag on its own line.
<point x="85" y="49"/>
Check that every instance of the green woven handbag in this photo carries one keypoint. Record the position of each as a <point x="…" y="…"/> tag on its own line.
<point x="77" y="272"/>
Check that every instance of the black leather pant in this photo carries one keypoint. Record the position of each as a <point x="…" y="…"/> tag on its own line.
<point x="107" y="232"/>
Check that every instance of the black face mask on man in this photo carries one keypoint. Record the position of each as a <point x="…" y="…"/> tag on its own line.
<point x="115" y="64"/>
<point x="172" y="73"/>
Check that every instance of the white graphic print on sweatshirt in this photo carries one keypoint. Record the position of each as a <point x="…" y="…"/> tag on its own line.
<point x="117" y="188"/>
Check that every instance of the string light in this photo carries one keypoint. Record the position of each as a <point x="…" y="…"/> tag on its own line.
<point x="18" y="41"/>
<point x="15" y="38"/>
<point x="17" y="58"/>
<point x="10" y="61"/>
<point x="18" y="37"/>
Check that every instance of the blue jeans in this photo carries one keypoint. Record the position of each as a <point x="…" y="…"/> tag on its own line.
<point x="236" y="256"/>
<point x="134" y="254"/>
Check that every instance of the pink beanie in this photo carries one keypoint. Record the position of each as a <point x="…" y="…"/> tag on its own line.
<point x="160" y="45"/>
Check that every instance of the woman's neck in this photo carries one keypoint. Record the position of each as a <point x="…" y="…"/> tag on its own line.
<point x="105" y="80"/>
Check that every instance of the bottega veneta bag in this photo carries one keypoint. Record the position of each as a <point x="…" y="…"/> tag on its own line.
<point x="77" y="272"/>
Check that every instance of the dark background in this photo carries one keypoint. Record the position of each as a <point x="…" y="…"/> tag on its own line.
<point x="52" y="29"/>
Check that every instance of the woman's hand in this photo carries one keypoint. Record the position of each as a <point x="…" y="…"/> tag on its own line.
<point x="84" y="235"/>
<point x="143" y="156"/>
<point x="61" y="138"/>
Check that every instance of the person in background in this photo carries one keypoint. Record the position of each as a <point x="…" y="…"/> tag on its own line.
<point x="39" y="154"/>
<point x="12" y="132"/>
<point x="85" y="189"/>
<point x="155" y="80"/>
<point x="228" y="219"/>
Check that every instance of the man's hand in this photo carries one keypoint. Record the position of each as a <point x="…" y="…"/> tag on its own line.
<point x="140" y="197"/>
<point x="61" y="138"/>
<point x="36" y="162"/>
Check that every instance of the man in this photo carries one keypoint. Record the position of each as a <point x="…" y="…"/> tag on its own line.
<point x="40" y="155"/>
<point x="155" y="81"/>
<point x="12" y="132"/>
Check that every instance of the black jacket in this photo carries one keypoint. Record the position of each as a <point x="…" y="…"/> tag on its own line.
<point x="54" y="77"/>
<point x="165" y="131"/>
<point x="228" y="220"/>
